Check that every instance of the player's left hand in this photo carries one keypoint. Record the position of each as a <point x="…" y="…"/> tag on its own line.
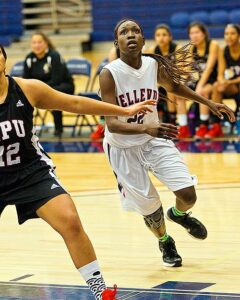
<point x="218" y="108"/>
<point x="141" y="107"/>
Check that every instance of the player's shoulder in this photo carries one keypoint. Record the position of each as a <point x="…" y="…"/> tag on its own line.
<point x="214" y="44"/>
<point x="149" y="61"/>
<point x="114" y="63"/>
<point x="29" y="85"/>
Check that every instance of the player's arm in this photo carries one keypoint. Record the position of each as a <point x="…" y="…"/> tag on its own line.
<point x="221" y="66"/>
<point x="108" y="94"/>
<point x="42" y="96"/>
<point x="221" y="70"/>
<point x="181" y="90"/>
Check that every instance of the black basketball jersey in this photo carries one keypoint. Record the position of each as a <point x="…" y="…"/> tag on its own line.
<point x="203" y="61"/>
<point x="19" y="146"/>
<point x="172" y="49"/>
<point x="232" y="66"/>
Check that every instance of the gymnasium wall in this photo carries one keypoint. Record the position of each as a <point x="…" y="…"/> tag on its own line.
<point x="176" y="13"/>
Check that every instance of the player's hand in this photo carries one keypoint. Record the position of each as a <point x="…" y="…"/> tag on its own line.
<point x="163" y="130"/>
<point x="142" y="107"/>
<point x="218" y="108"/>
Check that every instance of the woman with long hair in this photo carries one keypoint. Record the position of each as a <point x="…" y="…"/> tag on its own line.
<point x="205" y="53"/>
<point x="137" y="145"/>
<point x="228" y="81"/>
<point x="28" y="180"/>
<point x="165" y="46"/>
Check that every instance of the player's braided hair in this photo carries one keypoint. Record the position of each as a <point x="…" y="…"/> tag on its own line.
<point x="179" y="65"/>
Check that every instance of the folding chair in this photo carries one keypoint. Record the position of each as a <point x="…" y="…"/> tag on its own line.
<point x="98" y="71"/>
<point x="17" y="71"/>
<point x="81" y="67"/>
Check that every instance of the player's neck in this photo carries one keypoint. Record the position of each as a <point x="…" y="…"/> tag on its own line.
<point x="201" y="46"/>
<point x="165" y="49"/>
<point x="3" y="88"/>
<point x="133" y="61"/>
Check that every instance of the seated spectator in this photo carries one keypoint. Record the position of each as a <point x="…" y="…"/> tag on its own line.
<point x="45" y="63"/>
<point x="205" y="52"/>
<point x="165" y="46"/>
<point x="228" y="80"/>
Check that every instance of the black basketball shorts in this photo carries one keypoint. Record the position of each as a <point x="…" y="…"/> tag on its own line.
<point x="29" y="189"/>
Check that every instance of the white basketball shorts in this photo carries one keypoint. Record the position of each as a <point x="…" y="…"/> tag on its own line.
<point x="131" y="167"/>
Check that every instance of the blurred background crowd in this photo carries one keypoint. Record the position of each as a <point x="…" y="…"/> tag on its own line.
<point x="211" y="26"/>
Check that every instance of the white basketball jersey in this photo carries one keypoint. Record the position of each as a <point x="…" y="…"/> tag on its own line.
<point x="133" y="86"/>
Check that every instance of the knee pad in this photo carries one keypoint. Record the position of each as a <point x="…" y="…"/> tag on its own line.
<point x="155" y="220"/>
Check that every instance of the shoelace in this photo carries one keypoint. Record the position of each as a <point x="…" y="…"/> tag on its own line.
<point x="169" y="249"/>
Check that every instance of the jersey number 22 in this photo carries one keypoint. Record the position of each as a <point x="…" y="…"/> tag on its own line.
<point x="11" y="152"/>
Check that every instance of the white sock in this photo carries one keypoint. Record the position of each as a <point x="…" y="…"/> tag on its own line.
<point x="182" y="119"/>
<point x="204" y="117"/>
<point x="92" y="275"/>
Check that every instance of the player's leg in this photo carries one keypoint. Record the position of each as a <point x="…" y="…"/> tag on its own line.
<point x="217" y="92"/>
<point x="61" y="214"/>
<point x="204" y="112"/>
<point x="184" y="131"/>
<point x="141" y="196"/>
<point x="169" y="167"/>
<point x="185" y="200"/>
<point x="156" y="223"/>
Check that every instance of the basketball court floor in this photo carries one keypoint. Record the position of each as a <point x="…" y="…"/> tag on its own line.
<point x="35" y="265"/>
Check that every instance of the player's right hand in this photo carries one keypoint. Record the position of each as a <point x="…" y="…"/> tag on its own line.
<point x="163" y="130"/>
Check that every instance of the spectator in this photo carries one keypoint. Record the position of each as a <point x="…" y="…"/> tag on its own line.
<point x="228" y="81"/>
<point x="166" y="47"/>
<point x="205" y="52"/>
<point x="45" y="63"/>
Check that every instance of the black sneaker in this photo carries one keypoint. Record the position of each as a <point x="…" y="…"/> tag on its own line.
<point x="194" y="227"/>
<point x="169" y="253"/>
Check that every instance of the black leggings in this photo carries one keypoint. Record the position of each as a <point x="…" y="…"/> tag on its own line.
<point x="67" y="88"/>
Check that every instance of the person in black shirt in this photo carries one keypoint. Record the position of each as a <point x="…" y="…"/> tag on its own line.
<point x="165" y="46"/>
<point x="27" y="175"/>
<point x="45" y="63"/>
<point x="228" y="81"/>
<point x="205" y="53"/>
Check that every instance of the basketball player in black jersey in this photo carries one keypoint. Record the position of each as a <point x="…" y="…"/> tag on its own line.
<point x="228" y="81"/>
<point x="27" y="178"/>
<point x="166" y="46"/>
<point x="145" y="156"/>
<point x="205" y="51"/>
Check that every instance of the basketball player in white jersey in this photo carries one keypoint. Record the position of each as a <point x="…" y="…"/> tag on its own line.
<point x="140" y="144"/>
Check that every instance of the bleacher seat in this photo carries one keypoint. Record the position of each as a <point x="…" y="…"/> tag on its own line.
<point x="10" y="21"/>
<point x="106" y="13"/>
<point x="234" y="16"/>
<point x="219" y="17"/>
<point x="180" y="19"/>
<point x="200" y="16"/>
<point x="17" y="69"/>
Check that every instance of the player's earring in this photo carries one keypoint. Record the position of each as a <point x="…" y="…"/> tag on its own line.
<point x="116" y="44"/>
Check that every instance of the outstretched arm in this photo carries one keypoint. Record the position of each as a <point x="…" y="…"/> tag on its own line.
<point x="185" y="92"/>
<point x="42" y="96"/>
